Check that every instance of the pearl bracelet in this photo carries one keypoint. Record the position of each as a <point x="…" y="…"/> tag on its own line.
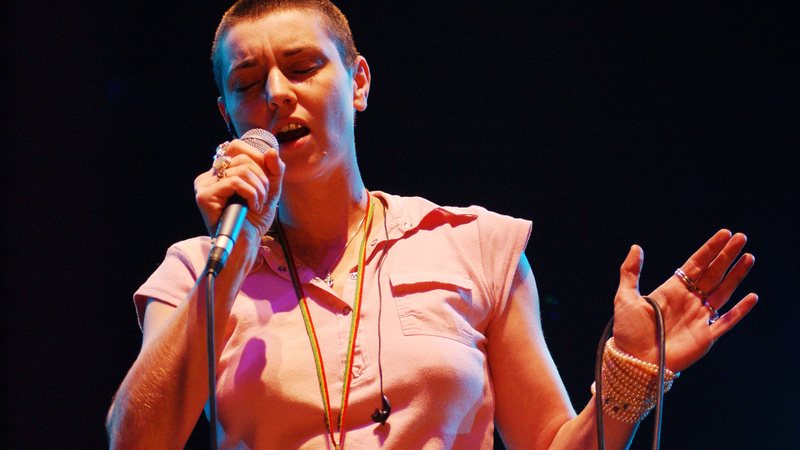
<point x="629" y="384"/>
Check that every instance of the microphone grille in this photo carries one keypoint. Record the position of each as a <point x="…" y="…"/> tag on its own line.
<point x="260" y="139"/>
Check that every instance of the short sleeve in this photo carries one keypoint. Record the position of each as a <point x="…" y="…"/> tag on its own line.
<point x="175" y="277"/>
<point x="503" y="239"/>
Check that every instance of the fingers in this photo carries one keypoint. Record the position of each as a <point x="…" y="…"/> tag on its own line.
<point x="247" y="172"/>
<point x="240" y="147"/>
<point x="631" y="269"/>
<point x="709" y="275"/>
<point x="268" y="166"/>
<point x="243" y="182"/>
<point x="719" y="296"/>
<point x="729" y="320"/>
<point x="708" y="270"/>
<point x="274" y="169"/>
<point x="242" y="177"/>
<point x="709" y="280"/>
<point x="699" y="262"/>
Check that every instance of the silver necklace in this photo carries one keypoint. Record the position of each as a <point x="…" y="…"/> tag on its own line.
<point x="328" y="276"/>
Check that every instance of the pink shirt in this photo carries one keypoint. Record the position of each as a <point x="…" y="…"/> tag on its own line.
<point x="445" y="277"/>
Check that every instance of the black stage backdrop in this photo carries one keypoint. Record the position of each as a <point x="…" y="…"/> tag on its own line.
<point x="605" y="124"/>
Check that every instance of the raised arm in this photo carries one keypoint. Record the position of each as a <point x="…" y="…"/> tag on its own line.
<point x="533" y="408"/>
<point x="162" y="396"/>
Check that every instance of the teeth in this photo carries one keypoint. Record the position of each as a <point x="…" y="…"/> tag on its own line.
<point x="290" y="127"/>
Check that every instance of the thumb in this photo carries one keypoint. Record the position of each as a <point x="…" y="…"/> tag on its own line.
<point x="631" y="269"/>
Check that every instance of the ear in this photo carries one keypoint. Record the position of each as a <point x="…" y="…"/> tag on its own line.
<point x="361" y="82"/>
<point x="223" y="111"/>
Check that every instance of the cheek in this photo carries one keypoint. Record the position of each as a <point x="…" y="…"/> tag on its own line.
<point x="250" y="111"/>
<point x="341" y="112"/>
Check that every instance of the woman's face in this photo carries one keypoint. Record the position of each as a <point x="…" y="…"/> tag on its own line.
<point x="284" y="74"/>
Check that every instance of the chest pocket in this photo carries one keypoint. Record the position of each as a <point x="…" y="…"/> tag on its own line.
<point x="434" y="304"/>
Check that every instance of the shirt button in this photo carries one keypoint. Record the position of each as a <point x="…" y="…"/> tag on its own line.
<point x="353" y="275"/>
<point x="347" y="310"/>
<point x="281" y="268"/>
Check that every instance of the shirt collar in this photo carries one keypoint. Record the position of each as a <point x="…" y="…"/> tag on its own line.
<point x="404" y="216"/>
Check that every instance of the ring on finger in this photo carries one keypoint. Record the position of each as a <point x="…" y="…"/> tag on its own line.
<point x="221" y="163"/>
<point x="690" y="283"/>
<point x="713" y="311"/>
<point x="702" y="294"/>
<point x="221" y="149"/>
<point x="685" y="278"/>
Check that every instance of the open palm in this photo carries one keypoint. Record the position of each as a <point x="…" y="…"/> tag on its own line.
<point x="689" y="302"/>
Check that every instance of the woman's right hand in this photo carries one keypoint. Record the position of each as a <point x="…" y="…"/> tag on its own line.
<point x="256" y="177"/>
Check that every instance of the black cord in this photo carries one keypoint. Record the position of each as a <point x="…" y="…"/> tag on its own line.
<point x="661" y="343"/>
<point x="598" y="384"/>
<point x="380" y="303"/>
<point x="382" y="414"/>
<point x="661" y="340"/>
<point x="212" y="360"/>
<point x="287" y="252"/>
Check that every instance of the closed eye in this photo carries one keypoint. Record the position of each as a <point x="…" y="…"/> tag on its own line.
<point x="306" y="70"/>
<point x="245" y="87"/>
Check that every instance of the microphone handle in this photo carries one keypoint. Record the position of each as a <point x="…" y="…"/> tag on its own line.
<point x="230" y="223"/>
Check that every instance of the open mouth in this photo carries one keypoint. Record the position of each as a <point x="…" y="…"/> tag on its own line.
<point x="291" y="132"/>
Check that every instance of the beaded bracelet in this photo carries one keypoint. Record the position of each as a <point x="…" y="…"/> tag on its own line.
<point x="629" y="384"/>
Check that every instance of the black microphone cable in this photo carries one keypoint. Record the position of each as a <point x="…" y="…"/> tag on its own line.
<point x="661" y="343"/>
<point x="212" y="360"/>
<point x="228" y="229"/>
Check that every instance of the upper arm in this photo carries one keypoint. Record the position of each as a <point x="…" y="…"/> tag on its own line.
<point x="156" y="314"/>
<point x="531" y="401"/>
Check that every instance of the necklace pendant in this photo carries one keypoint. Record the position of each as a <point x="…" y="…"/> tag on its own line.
<point x="328" y="280"/>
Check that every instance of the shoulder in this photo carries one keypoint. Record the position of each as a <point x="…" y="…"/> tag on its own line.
<point x="415" y="210"/>
<point x="192" y="252"/>
<point x="192" y="245"/>
<point x="188" y="255"/>
<point x="175" y="276"/>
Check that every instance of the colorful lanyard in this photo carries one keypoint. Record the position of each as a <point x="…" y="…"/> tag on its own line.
<point x="312" y="334"/>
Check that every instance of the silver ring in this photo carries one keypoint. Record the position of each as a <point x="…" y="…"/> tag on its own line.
<point x="221" y="149"/>
<point x="690" y="283"/>
<point x="703" y="295"/>
<point x="685" y="278"/>
<point x="714" y="312"/>
<point x="221" y="162"/>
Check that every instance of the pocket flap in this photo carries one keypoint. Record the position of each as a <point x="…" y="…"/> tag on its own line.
<point x="421" y="281"/>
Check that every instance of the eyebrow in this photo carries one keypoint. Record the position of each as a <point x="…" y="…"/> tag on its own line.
<point x="297" y="50"/>
<point x="251" y="62"/>
<point x="244" y="64"/>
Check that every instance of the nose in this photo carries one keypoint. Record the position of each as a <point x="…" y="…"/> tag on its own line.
<point x="280" y="92"/>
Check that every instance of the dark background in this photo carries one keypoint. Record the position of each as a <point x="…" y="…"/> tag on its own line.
<point x="606" y="124"/>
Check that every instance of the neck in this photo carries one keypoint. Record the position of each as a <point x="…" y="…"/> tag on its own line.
<point x="320" y="215"/>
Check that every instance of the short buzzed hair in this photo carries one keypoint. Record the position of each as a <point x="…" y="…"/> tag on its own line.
<point x="247" y="10"/>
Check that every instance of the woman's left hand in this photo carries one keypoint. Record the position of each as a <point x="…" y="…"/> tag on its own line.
<point x="689" y="303"/>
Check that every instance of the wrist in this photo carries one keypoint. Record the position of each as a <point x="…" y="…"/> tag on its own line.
<point x="629" y="384"/>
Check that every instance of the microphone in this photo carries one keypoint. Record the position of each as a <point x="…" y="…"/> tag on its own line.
<point x="235" y="211"/>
